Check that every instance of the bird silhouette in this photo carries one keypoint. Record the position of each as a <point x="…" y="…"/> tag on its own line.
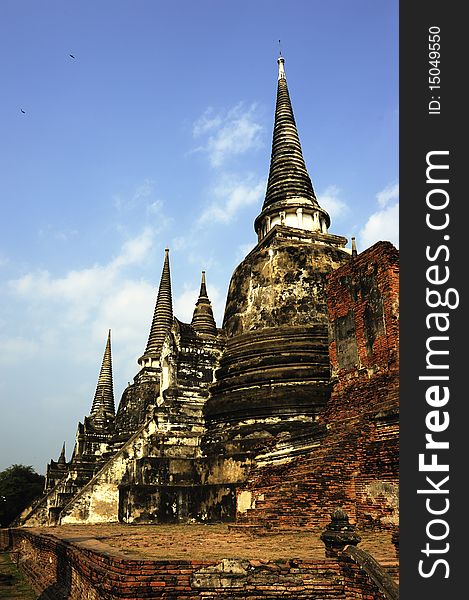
<point x="23" y="111"/>
<point x="71" y="56"/>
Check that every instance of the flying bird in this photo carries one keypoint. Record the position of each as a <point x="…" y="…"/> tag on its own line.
<point x="23" y="111"/>
<point x="71" y="56"/>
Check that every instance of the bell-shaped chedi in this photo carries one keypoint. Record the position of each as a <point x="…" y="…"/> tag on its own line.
<point x="202" y="319"/>
<point x="275" y="375"/>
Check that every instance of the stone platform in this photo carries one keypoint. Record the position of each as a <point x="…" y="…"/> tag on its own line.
<point x="107" y="562"/>
<point x="208" y="542"/>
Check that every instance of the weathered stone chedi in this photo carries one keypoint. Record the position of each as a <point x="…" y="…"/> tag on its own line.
<point x="281" y="416"/>
<point x="274" y="375"/>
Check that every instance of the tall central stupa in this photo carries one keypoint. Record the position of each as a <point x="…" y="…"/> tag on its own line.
<point x="274" y="375"/>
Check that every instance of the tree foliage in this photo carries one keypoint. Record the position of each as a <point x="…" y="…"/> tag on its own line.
<point x="19" y="485"/>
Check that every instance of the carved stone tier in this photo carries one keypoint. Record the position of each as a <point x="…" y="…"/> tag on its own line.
<point x="270" y="381"/>
<point x="274" y="375"/>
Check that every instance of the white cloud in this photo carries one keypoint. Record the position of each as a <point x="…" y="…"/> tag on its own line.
<point x="207" y="122"/>
<point x="184" y="303"/>
<point x="85" y="288"/>
<point x="193" y="251"/>
<point x="230" y="196"/>
<point x="77" y="309"/>
<point x="128" y="312"/>
<point x="229" y="134"/>
<point x="48" y="231"/>
<point x="64" y="236"/>
<point x="154" y="208"/>
<point x="180" y="243"/>
<point x="384" y="223"/>
<point x="390" y="192"/>
<point x="135" y="250"/>
<point x="142" y="199"/>
<point x="143" y="191"/>
<point x="330" y="201"/>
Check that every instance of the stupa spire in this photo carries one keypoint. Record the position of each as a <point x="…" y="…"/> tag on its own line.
<point x="290" y="198"/>
<point x="281" y="67"/>
<point x="62" y="460"/>
<point x="163" y="315"/>
<point x="202" y="319"/>
<point x="203" y="287"/>
<point x="104" y="396"/>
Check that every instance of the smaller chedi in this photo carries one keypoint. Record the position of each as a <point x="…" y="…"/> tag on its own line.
<point x="286" y="412"/>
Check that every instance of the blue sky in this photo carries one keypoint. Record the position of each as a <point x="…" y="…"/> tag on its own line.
<point x="158" y="133"/>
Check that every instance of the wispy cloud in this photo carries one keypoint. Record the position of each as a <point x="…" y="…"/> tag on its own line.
<point x="135" y="250"/>
<point x="229" y="133"/>
<point x="84" y="286"/>
<point x="382" y="224"/>
<point x="330" y="200"/>
<point x="230" y="195"/>
<point x="390" y="193"/>
<point x="181" y="242"/>
<point x="207" y="122"/>
<point x="76" y="309"/>
<point x="143" y="198"/>
<point x="63" y="235"/>
<point x="184" y="303"/>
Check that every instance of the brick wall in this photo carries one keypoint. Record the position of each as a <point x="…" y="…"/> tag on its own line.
<point x="364" y="404"/>
<point x="58" y="569"/>
<point x="351" y="460"/>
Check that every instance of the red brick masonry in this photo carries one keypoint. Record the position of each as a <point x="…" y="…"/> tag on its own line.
<point x="63" y="569"/>
<point x="353" y="462"/>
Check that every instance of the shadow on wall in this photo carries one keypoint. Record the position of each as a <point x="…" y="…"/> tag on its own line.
<point x="63" y="578"/>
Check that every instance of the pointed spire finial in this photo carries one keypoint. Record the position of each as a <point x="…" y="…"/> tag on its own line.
<point x="281" y="64"/>
<point x="354" y="248"/>
<point x="202" y="319"/>
<point x="203" y="287"/>
<point x="163" y="315"/>
<point x="289" y="191"/>
<point x="62" y="460"/>
<point x="104" y="395"/>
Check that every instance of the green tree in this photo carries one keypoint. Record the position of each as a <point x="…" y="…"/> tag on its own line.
<point x="19" y="485"/>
